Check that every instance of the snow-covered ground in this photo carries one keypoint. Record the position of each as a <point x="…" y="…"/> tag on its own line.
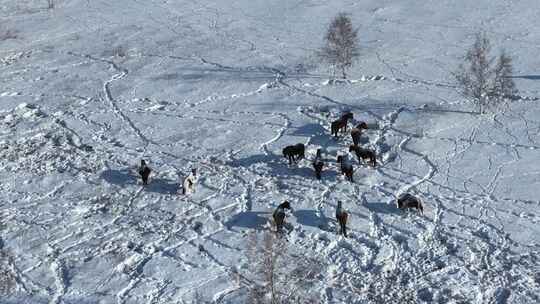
<point x="91" y="87"/>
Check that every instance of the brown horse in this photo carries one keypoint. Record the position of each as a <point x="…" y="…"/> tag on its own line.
<point x="407" y="200"/>
<point x="318" y="164"/>
<point x="342" y="217"/>
<point x="290" y="152"/>
<point x="346" y="167"/>
<point x="356" y="132"/>
<point x="364" y="154"/>
<point x="279" y="215"/>
<point x="341" y="124"/>
<point x="144" y="172"/>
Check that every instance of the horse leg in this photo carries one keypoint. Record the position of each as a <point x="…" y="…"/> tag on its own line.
<point x="344" y="228"/>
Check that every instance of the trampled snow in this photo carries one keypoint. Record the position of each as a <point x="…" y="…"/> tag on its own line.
<point x="90" y="88"/>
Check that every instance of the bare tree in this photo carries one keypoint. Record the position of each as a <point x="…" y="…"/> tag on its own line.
<point x="50" y="4"/>
<point x="279" y="276"/>
<point x="341" y="44"/>
<point x="479" y="79"/>
<point x="503" y="86"/>
<point x="197" y="298"/>
<point x="7" y="276"/>
<point x="6" y="34"/>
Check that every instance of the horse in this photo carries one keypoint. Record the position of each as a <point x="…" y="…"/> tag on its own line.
<point x="144" y="172"/>
<point x="342" y="216"/>
<point x="295" y="150"/>
<point x="188" y="186"/>
<point x="346" y="167"/>
<point x="356" y="132"/>
<point x="318" y="164"/>
<point x="364" y="154"/>
<point x="279" y="215"/>
<point x="407" y="200"/>
<point x="340" y="124"/>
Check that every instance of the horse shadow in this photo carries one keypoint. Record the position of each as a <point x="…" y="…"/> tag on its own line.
<point x="253" y="159"/>
<point x="125" y="177"/>
<point x="311" y="218"/>
<point x="309" y="130"/>
<point x="122" y="178"/>
<point x="249" y="219"/>
<point x="382" y="208"/>
<point x="161" y="185"/>
<point x="283" y="169"/>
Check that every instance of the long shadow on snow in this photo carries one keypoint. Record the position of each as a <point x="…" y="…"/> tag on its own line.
<point x="253" y="159"/>
<point x="382" y="208"/>
<point x="125" y="177"/>
<point x="163" y="186"/>
<point x="121" y="178"/>
<point x="310" y="218"/>
<point x="249" y="219"/>
<point x="308" y="130"/>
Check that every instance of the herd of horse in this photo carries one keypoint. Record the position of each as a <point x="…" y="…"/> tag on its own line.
<point x="294" y="153"/>
<point x="188" y="184"/>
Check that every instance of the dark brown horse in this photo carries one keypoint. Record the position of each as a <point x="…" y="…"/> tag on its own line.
<point x="294" y="153"/>
<point x="341" y="124"/>
<point x="318" y="164"/>
<point x="364" y="154"/>
<point x="144" y="172"/>
<point x="346" y="167"/>
<point x="279" y="215"/>
<point x="406" y="200"/>
<point x="342" y="216"/>
<point x="356" y="132"/>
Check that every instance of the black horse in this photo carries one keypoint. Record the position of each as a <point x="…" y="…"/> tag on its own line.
<point x="341" y="124"/>
<point x="318" y="164"/>
<point x="294" y="153"/>
<point x="407" y="200"/>
<point x="364" y="154"/>
<point x="279" y="215"/>
<point x="346" y="167"/>
<point x="144" y="172"/>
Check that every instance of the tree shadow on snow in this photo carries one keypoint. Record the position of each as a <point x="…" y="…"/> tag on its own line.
<point x="528" y="77"/>
<point x="249" y="219"/>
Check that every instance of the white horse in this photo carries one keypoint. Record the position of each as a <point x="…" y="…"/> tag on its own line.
<point x="188" y="186"/>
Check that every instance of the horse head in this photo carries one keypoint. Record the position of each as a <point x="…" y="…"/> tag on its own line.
<point x="286" y="205"/>
<point x="362" y="125"/>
